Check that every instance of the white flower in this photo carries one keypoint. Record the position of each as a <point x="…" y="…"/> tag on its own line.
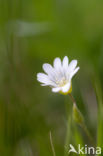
<point x="59" y="76"/>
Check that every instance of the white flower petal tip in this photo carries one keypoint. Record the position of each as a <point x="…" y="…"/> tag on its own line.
<point x="59" y="76"/>
<point x="47" y="68"/>
<point x="65" y="62"/>
<point x="57" y="63"/>
<point x="74" y="72"/>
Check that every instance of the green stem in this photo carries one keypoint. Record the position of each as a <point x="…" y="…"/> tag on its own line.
<point x="88" y="134"/>
<point x="80" y="120"/>
<point x="72" y="99"/>
<point x="52" y="146"/>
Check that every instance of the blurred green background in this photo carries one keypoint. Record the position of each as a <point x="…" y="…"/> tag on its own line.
<point x="33" y="32"/>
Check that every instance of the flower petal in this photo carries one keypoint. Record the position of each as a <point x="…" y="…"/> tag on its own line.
<point x="50" y="71"/>
<point x="66" y="87"/>
<point x="41" y="77"/>
<point x="74" y="72"/>
<point x="57" y="63"/>
<point x="72" y="65"/>
<point x="58" y="68"/>
<point x="65" y="63"/>
<point x="47" y="68"/>
<point x="56" y="89"/>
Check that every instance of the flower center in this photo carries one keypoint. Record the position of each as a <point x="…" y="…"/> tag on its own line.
<point x="61" y="82"/>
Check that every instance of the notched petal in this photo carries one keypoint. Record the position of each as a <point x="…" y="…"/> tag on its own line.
<point x="72" y="65"/>
<point x="65" y="62"/>
<point x="57" y="63"/>
<point x="47" y="68"/>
